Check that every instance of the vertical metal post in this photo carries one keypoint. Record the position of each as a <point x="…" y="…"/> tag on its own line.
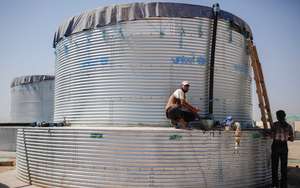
<point x="216" y="10"/>
<point x="26" y="157"/>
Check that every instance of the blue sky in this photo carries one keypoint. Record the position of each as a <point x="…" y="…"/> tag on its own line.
<point x="28" y="26"/>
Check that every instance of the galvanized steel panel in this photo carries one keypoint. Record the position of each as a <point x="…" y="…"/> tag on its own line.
<point x="141" y="157"/>
<point x="232" y="84"/>
<point x="8" y="138"/>
<point x="123" y="74"/>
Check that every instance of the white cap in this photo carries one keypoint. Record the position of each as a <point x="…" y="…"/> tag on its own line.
<point x="184" y="83"/>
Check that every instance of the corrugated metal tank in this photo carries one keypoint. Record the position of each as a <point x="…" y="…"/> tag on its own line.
<point x="142" y="157"/>
<point x="117" y="66"/>
<point x="32" y="99"/>
<point x="8" y="137"/>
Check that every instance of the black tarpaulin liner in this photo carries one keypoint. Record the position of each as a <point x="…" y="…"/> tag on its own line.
<point x="114" y="14"/>
<point x="22" y="80"/>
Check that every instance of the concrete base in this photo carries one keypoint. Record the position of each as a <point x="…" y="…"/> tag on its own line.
<point x="7" y="158"/>
<point x="8" y="179"/>
<point x="142" y="157"/>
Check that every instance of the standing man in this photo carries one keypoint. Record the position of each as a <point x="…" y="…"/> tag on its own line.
<point x="178" y="110"/>
<point x="281" y="132"/>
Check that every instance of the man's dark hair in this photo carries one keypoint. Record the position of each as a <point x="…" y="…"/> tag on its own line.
<point x="280" y="114"/>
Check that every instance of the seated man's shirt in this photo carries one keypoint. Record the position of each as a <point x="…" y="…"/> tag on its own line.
<point x="175" y="98"/>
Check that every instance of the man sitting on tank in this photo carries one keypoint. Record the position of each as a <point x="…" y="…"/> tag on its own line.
<point x="179" y="110"/>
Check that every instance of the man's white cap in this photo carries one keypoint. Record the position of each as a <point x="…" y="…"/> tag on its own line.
<point x="184" y="83"/>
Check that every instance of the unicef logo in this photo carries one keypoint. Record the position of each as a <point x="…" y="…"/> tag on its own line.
<point x="191" y="60"/>
<point x="94" y="62"/>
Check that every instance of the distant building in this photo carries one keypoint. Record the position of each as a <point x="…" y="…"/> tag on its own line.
<point x="296" y="126"/>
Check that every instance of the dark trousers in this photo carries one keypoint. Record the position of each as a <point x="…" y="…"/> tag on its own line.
<point x="176" y="113"/>
<point x="279" y="152"/>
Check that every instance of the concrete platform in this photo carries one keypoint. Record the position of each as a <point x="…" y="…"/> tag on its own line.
<point x="294" y="153"/>
<point x="7" y="158"/>
<point x="8" y="179"/>
<point x="4" y="155"/>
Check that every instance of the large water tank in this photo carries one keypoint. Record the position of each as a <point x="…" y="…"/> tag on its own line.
<point x="112" y="157"/>
<point x="32" y="99"/>
<point x="117" y="65"/>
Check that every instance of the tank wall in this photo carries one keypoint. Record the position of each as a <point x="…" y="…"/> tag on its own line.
<point x="142" y="157"/>
<point x="8" y="137"/>
<point x="233" y="76"/>
<point x="32" y="102"/>
<point x="123" y="74"/>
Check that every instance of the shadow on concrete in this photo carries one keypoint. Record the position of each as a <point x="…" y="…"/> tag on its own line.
<point x="294" y="176"/>
<point x="3" y="186"/>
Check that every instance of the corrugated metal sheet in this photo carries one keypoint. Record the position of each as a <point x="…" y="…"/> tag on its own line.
<point x="232" y="83"/>
<point x="8" y="138"/>
<point x="123" y="74"/>
<point x="23" y="80"/>
<point x="32" y="99"/>
<point x="141" y="157"/>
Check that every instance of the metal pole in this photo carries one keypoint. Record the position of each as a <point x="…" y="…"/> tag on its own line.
<point x="216" y="10"/>
<point x="26" y="157"/>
